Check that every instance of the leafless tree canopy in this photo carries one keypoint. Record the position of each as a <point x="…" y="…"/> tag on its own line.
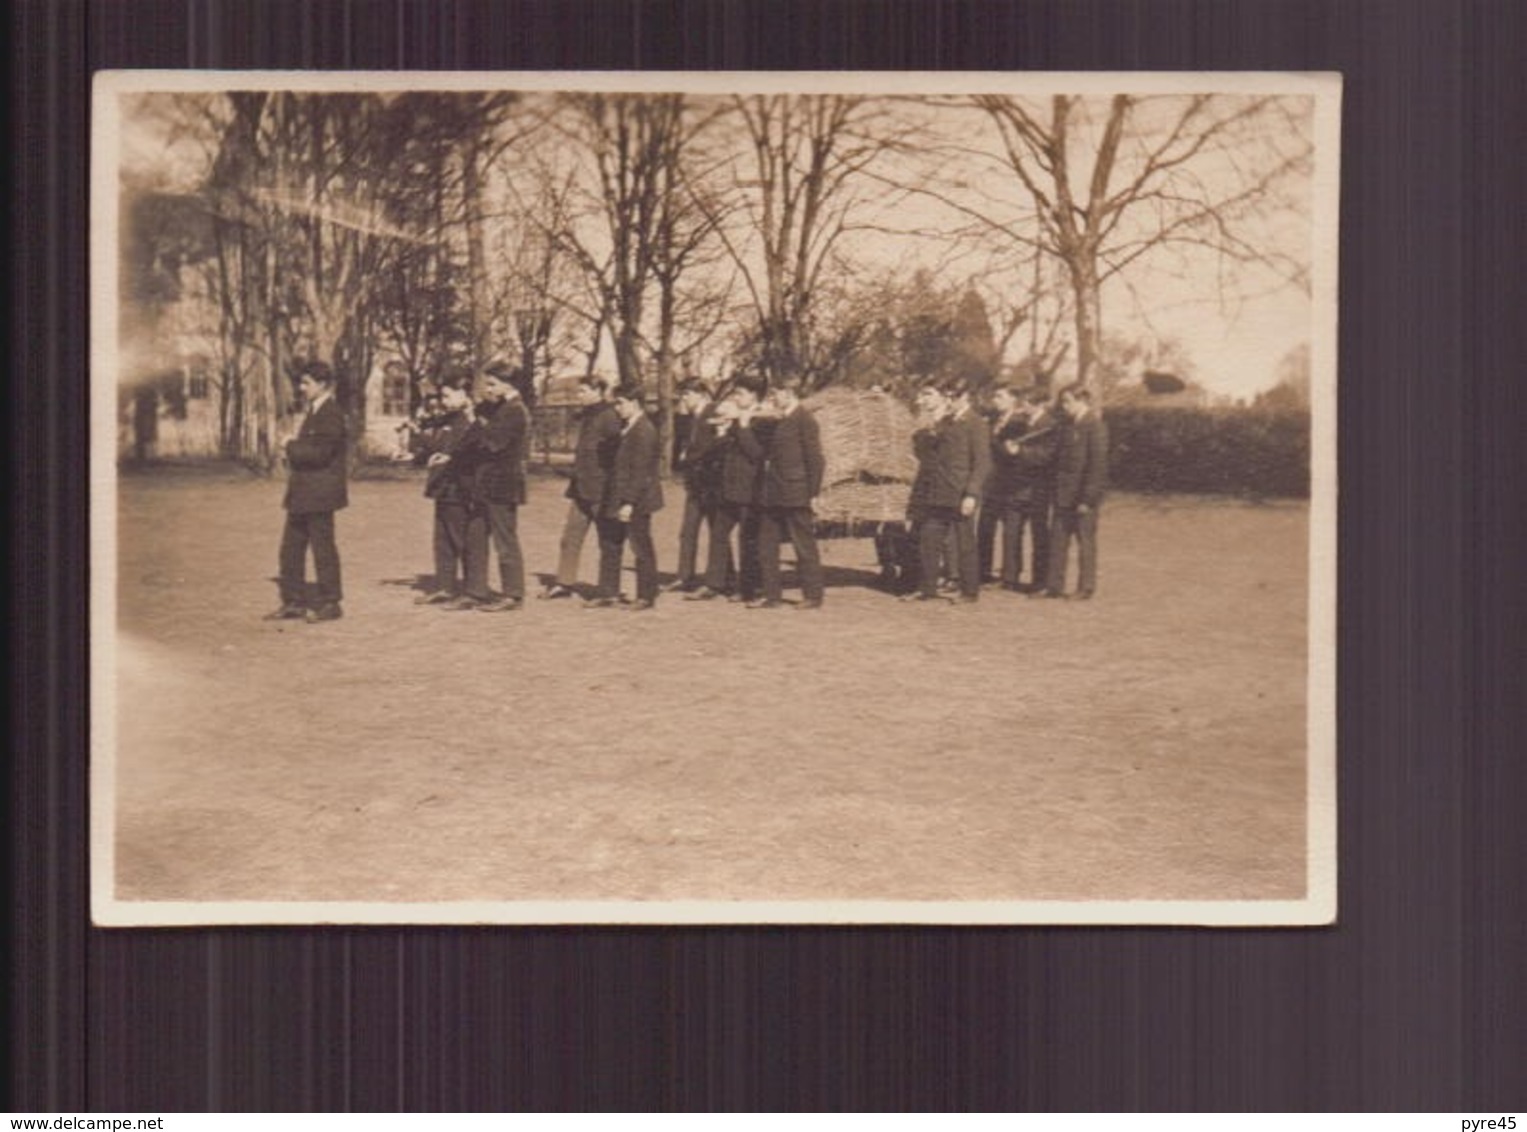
<point x="842" y="238"/>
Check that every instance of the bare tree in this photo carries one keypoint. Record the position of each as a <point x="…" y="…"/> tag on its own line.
<point x="798" y="188"/>
<point x="1115" y="182"/>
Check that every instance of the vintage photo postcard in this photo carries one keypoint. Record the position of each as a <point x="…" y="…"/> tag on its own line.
<point x="671" y="498"/>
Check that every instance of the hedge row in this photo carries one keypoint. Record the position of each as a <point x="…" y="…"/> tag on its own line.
<point x="1256" y="452"/>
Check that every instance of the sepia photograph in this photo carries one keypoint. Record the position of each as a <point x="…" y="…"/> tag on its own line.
<point x="680" y="498"/>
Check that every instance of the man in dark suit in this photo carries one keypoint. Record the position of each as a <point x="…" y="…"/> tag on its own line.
<point x="633" y="494"/>
<point x="954" y="460"/>
<point x="594" y="455"/>
<point x="739" y="452"/>
<point x="490" y="460"/>
<point x="695" y="460"/>
<point x="792" y="479"/>
<point x="1034" y="487"/>
<point x="1008" y="424"/>
<point x="433" y="440"/>
<point x="316" y="489"/>
<point x="937" y="491"/>
<point x="1081" y="478"/>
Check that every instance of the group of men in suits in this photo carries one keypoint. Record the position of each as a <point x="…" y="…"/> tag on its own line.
<point x="1035" y="469"/>
<point x="752" y="465"/>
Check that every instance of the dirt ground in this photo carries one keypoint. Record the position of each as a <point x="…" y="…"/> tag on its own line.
<point x="1148" y="745"/>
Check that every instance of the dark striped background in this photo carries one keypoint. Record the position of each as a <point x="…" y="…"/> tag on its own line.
<point x="1415" y="1001"/>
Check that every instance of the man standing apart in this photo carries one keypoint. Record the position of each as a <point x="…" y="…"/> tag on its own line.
<point x="598" y="436"/>
<point x="792" y="480"/>
<point x="490" y="460"/>
<point x="1081" y="477"/>
<point x="315" y="490"/>
<point x="635" y="492"/>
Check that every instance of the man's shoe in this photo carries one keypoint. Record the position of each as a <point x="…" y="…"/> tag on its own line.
<point x="766" y="603"/>
<point x="920" y="596"/>
<point x="967" y="599"/>
<point x="1053" y="594"/>
<point x="641" y="605"/>
<point x="680" y="585"/>
<point x="465" y="602"/>
<point x="810" y="603"/>
<point x="601" y="603"/>
<point x="289" y="611"/>
<point x="500" y="605"/>
<point x="555" y="591"/>
<point x="434" y="597"/>
<point x="704" y="593"/>
<point x="329" y="612"/>
<point x="1081" y="595"/>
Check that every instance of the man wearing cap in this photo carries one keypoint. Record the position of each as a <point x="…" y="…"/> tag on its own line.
<point x="316" y="489"/>
<point x="634" y="492"/>
<point x="792" y="479"/>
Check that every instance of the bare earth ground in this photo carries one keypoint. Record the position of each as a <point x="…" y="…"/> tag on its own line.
<point x="1147" y="745"/>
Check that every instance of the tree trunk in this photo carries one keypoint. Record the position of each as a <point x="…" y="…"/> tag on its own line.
<point x="477" y="272"/>
<point x="1089" y="318"/>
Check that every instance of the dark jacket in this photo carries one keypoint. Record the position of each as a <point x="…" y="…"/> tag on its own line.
<point x="490" y="459"/>
<point x="793" y="463"/>
<point x="698" y="455"/>
<point x="951" y="463"/>
<point x="976" y="451"/>
<point x="636" y="477"/>
<point x="1027" y="476"/>
<point x="740" y="453"/>
<point x="594" y="455"/>
<point x="317" y="457"/>
<point x="441" y="435"/>
<point x="1081" y="462"/>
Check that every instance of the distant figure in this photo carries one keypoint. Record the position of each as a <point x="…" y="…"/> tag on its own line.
<point x="593" y="458"/>
<point x="1081" y="478"/>
<point x="633" y="494"/>
<point x="145" y="423"/>
<point x="792" y="479"/>
<point x="316" y="489"/>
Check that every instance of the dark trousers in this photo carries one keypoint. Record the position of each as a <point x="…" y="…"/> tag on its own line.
<point x="450" y="544"/>
<point x="315" y="529"/>
<point x="774" y="525"/>
<point x="1013" y="518"/>
<point x="575" y="528"/>
<point x="501" y="522"/>
<point x="936" y="527"/>
<point x="613" y="535"/>
<point x="1070" y="522"/>
<point x="718" y="567"/>
<point x="1036" y="518"/>
<point x="697" y="509"/>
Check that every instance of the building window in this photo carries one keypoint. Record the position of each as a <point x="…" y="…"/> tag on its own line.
<point x="198" y="383"/>
<point x="395" y="390"/>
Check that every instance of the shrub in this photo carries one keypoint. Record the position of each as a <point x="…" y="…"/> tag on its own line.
<point x="1260" y="452"/>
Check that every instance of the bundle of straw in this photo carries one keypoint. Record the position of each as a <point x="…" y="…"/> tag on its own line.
<point x="867" y="447"/>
